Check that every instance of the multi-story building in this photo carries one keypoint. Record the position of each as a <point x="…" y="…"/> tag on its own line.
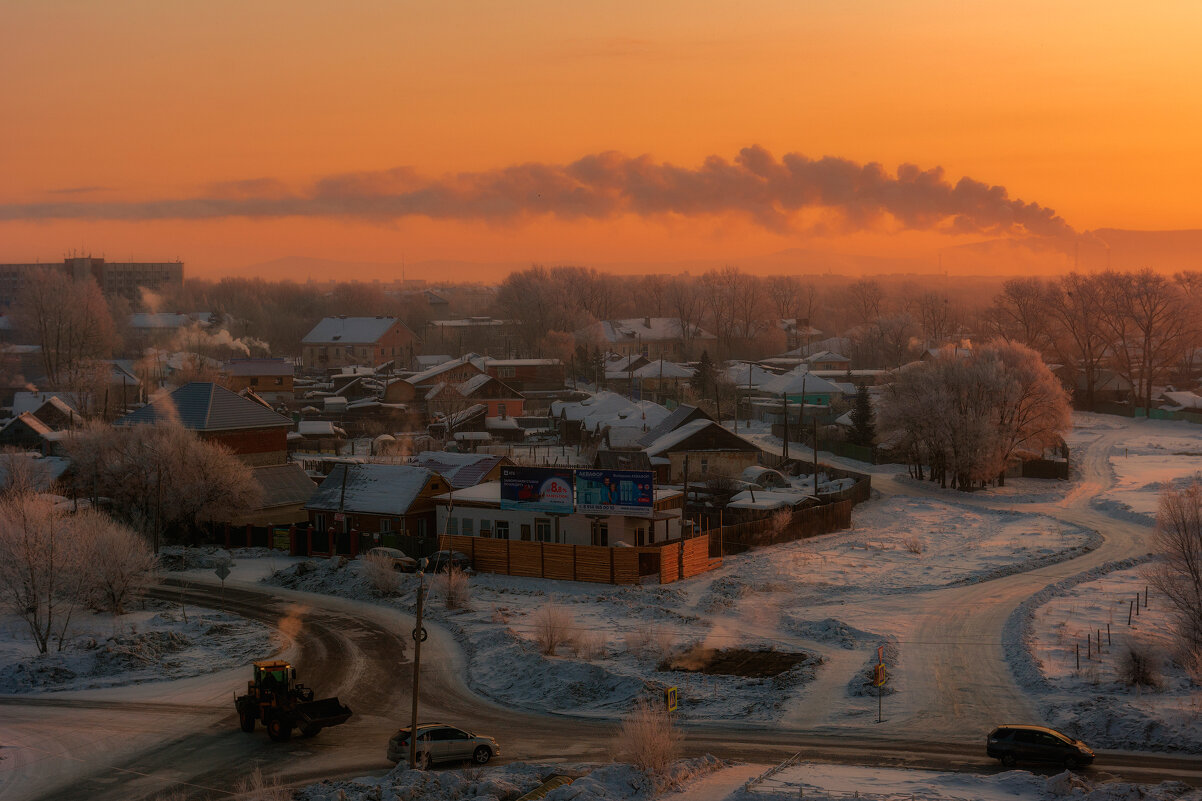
<point x="114" y="277"/>
<point x="346" y="341"/>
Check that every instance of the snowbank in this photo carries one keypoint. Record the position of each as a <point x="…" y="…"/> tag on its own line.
<point x="153" y="644"/>
<point x="1041" y="641"/>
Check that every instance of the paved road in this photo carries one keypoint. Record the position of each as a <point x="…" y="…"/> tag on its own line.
<point x="129" y="749"/>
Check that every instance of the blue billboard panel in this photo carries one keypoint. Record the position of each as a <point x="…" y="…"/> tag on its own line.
<point x="537" y="489"/>
<point x="615" y="492"/>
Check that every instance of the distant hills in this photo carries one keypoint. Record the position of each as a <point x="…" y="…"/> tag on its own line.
<point x="1092" y="251"/>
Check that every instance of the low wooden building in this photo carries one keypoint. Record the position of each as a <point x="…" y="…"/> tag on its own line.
<point x="377" y="498"/>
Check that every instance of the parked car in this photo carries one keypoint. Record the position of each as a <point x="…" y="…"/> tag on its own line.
<point x="1018" y="743"/>
<point x="442" y="561"/>
<point x="399" y="560"/>
<point x="438" y="742"/>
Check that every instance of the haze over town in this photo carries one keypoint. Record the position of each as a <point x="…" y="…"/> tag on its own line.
<point x="630" y="402"/>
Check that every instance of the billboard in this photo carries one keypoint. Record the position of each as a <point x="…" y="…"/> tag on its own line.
<point x="615" y="492"/>
<point x="537" y="489"/>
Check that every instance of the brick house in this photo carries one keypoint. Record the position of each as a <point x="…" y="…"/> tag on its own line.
<point x="528" y="375"/>
<point x="270" y="379"/>
<point x="253" y="431"/>
<point x="344" y="341"/>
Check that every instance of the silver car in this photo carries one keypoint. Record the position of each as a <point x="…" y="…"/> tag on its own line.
<point x="438" y="742"/>
<point x="406" y="564"/>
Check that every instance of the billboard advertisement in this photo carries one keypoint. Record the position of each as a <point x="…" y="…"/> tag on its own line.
<point x="537" y="489"/>
<point x="615" y="492"/>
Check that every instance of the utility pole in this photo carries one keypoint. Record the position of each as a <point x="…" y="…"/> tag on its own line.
<point x="784" y="451"/>
<point x="418" y="636"/>
<point x="815" y="457"/>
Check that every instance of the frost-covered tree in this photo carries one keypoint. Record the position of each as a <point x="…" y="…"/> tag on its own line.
<point x="161" y="479"/>
<point x="119" y="564"/>
<point x="966" y="416"/>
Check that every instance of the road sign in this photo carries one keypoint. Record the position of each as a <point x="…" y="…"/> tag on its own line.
<point x="672" y="698"/>
<point x="420" y="634"/>
<point x="222" y="571"/>
<point x="878" y="676"/>
<point x="339" y="517"/>
<point x="880" y="654"/>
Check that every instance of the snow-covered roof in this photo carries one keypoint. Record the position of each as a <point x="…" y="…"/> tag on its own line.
<point x="425" y="376"/>
<point x="459" y="469"/>
<point x="473" y="384"/>
<point x="826" y="356"/>
<point x="664" y="369"/>
<point x="25" y="401"/>
<point x="318" y="428"/>
<point x="609" y="408"/>
<point x="356" y="330"/>
<point x="768" y="499"/>
<point x="283" y="484"/>
<point x="798" y="381"/>
<point x="1184" y="400"/>
<point x="738" y="374"/>
<point x="379" y="489"/>
<point x="427" y="360"/>
<point x="501" y="424"/>
<point x="648" y="329"/>
<point x="624" y="436"/>
<point x="522" y="362"/>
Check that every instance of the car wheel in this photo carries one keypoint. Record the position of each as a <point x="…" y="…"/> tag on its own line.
<point x="482" y="755"/>
<point x="1008" y="760"/>
<point x="1071" y="762"/>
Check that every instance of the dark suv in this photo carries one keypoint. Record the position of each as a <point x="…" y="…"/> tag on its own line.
<point x="1013" y="744"/>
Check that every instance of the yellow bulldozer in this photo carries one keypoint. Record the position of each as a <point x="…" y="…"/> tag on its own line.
<point x="274" y="697"/>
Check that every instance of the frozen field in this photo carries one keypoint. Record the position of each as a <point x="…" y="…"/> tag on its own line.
<point x="151" y="644"/>
<point x="1150" y="461"/>
<point x="1093" y="701"/>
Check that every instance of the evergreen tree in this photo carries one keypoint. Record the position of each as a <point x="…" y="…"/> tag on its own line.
<point x="863" y="430"/>
<point x="703" y="379"/>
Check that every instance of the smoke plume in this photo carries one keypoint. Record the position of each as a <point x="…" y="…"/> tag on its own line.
<point x="770" y="191"/>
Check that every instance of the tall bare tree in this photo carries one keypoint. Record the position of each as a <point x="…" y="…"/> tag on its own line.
<point x="1178" y="576"/>
<point x="1147" y="317"/>
<point x="1020" y="313"/>
<point x="1075" y="303"/>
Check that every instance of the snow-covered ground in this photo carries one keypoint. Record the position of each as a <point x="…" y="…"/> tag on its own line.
<point x="148" y="644"/>
<point x="1093" y="701"/>
<point x="708" y="780"/>
<point x="820" y="599"/>
<point x="1157" y="455"/>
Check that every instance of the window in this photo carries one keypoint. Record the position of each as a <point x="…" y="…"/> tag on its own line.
<point x="507" y="372"/>
<point x="279" y="382"/>
<point x="542" y="530"/>
<point x="500" y="410"/>
<point x="453" y="526"/>
<point x="467" y="527"/>
<point x="254" y="382"/>
<point x="600" y="532"/>
<point x="640" y="536"/>
<point x="525" y="532"/>
<point x="501" y="529"/>
<point x="386" y="524"/>
<point x="319" y="521"/>
<point x="705" y="466"/>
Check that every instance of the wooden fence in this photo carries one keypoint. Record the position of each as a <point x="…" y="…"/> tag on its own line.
<point x="803" y="524"/>
<point x="662" y="563"/>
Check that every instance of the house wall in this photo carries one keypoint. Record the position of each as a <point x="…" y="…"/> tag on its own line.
<point x="256" y="447"/>
<point x="529" y="377"/>
<point x="263" y="385"/>
<point x="574" y="529"/>
<point x="397" y="342"/>
<point x="418" y="523"/>
<point x="704" y="465"/>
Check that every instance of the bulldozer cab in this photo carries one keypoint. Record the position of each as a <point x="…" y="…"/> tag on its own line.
<point x="273" y="674"/>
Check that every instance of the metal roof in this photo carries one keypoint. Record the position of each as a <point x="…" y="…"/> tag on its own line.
<point x="355" y="330"/>
<point x="205" y="406"/>
<point x="373" y="489"/>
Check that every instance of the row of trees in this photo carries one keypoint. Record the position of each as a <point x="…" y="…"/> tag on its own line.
<point x="1143" y="326"/>
<point x="961" y="417"/>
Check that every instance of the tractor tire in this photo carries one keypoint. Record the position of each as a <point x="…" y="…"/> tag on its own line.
<point x="246" y="720"/>
<point x="482" y="755"/>
<point x="279" y="730"/>
<point x="309" y="731"/>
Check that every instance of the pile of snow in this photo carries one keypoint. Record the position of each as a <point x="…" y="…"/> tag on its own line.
<point x="148" y="645"/>
<point x="615" y="782"/>
<point x="1093" y="703"/>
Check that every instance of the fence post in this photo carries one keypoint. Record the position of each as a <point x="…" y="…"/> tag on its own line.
<point x="1108" y="640"/>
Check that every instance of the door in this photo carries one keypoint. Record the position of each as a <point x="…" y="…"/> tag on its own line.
<point x="459" y="746"/>
<point x="1026" y="745"/>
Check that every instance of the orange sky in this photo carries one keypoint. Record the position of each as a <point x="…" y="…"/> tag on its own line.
<point x="1089" y="108"/>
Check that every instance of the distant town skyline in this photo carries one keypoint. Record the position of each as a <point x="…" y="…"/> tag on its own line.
<point x="616" y="136"/>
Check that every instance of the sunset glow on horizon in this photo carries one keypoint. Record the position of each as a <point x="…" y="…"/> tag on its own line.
<point x="625" y="135"/>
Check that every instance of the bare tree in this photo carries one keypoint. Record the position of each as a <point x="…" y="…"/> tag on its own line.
<point x="864" y="300"/>
<point x="22" y="472"/>
<point x="1020" y="313"/>
<point x="71" y="321"/>
<point x="1075" y="302"/>
<point x="686" y="304"/>
<point x="1147" y="317"/>
<point x="40" y="566"/>
<point x="1178" y="575"/>
<point x="933" y="313"/>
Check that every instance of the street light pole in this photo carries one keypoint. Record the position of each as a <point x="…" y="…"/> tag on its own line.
<point x="418" y="631"/>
